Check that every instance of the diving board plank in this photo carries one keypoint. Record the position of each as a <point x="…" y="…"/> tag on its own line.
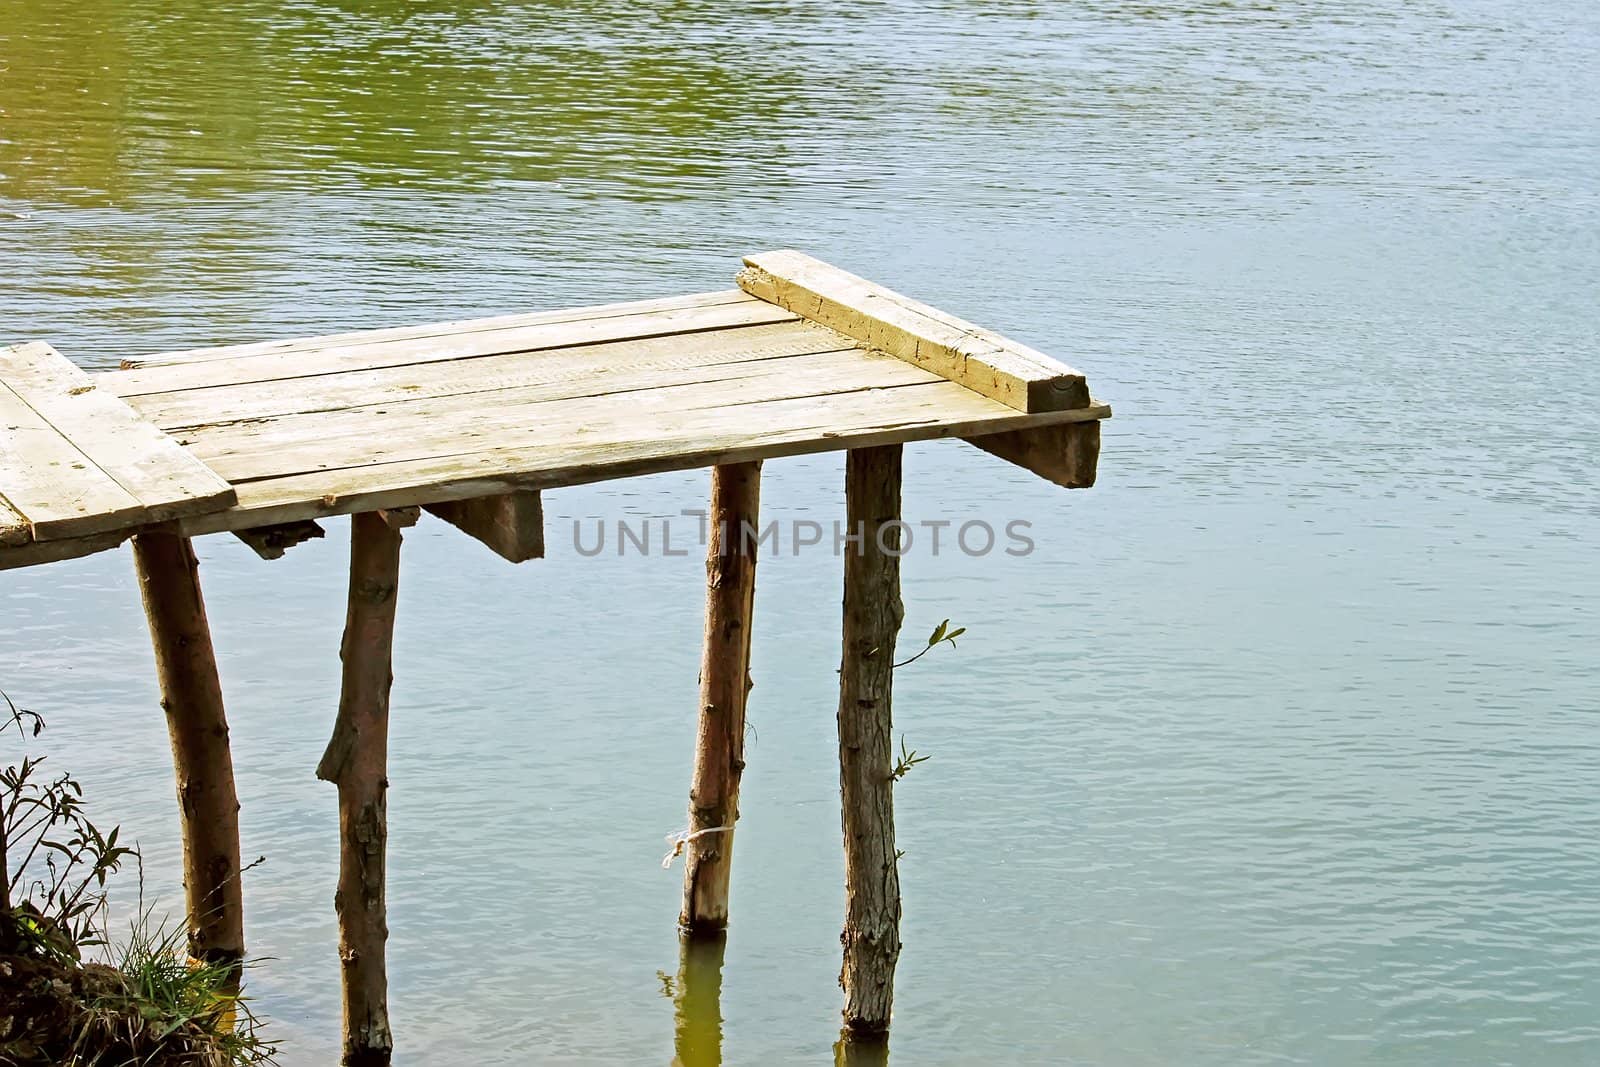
<point x="79" y="461"/>
<point x="511" y="524"/>
<point x="952" y="348"/>
<point x="1067" y="454"/>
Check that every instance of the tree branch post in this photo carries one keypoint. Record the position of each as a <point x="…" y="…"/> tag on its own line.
<point x="724" y="688"/>
<point x="191" y="696"/>
<point x="356" y="761"/>
<point x="872" y="617"/>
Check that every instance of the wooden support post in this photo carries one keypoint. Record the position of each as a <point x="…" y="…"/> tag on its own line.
<point x="191" y="695"/>
<point x="872" y="616"/>
<point x="724" y="686"/>
<point x="356" y="761"/>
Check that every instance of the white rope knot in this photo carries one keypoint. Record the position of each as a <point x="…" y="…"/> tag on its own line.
<point x="682" y="838"/>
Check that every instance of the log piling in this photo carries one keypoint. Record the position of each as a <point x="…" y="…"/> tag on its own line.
<point x="356" y="761"/>
<point x="724" y="689"/>
<point x="872" y="617"/>
<point x="197" y="726"/>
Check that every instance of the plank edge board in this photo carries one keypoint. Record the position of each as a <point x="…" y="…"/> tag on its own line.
<point x="492" y="473"/>
<point x="953" y="348"/>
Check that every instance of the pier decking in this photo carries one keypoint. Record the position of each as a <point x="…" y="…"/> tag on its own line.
<point x="470" y="421"/>
<point x="278" y="432"/>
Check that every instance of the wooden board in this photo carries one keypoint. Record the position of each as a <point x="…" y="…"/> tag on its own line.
<point x="356" y="437"/>
<point x="648" y="445"/>
<point x="1067" y="454"/>
<point x="36" y="552"/>
<point x="511" y="525"/>
<point x="335" y="359"/>
<point x="271" y="542"/>
<point x="481" y="382"/>
<point x="79" y="461"/>
<point x="952" y="348"/>
<point x="438" y="329"/>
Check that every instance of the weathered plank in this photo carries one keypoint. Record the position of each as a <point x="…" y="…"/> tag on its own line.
<point x="401" y="518"/>
<point x="1066" y="454"/>
<point x="113" y="445"/>
<point x="438" y="329"/>
<point x="573" y="371"/>
<point x="791" y="427"/>
<point x="394" y="432"/>
<point x="34" y="553"/>
<point x="510" y="524"/>
<point x="271" y="542"/>
<point x="51" y="483"/>
<point x="234" y="370"/>
<point x="953" y="348"/>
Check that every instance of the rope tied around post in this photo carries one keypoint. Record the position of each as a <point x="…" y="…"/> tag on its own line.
<point x="680" y="839"/>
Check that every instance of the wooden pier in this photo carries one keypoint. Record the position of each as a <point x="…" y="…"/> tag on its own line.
<point x="469" y="421"/>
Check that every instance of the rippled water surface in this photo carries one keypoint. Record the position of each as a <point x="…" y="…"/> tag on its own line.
<point x="1283" y="747"/>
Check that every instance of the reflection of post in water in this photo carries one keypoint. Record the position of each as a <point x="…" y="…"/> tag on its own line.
<point x="697" y="998"/>
<point x="853" y="1050"/>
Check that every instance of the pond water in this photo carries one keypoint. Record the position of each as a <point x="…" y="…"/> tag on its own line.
<point x="1283" y="746"/>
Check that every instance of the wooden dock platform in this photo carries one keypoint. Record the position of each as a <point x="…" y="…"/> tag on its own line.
<point x="470" y="421"/>
<point x="263" y="435"/>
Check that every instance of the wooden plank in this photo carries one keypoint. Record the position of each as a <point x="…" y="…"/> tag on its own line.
<point x="13" y="526"/>
<point x="164" y="481"/>
<point x="433" y="349"/>
<point x="979" y="359"/>
<point x="35" y="553"/>
<point x="511" y="524"/>
<point x="437" y="329"/>
<point x="51" y="483"/>
<point x="424" y="429"/>
<point x="271" y="542"/>
<point x="241" y="452"/>
<point x="572" y="371"/>
<point x="401" y="518"/>
<point x="668" y="442"/>
<point x="1067" y="455"/>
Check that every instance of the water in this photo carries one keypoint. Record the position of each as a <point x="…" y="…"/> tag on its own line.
<point x="1281" y="748"/>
